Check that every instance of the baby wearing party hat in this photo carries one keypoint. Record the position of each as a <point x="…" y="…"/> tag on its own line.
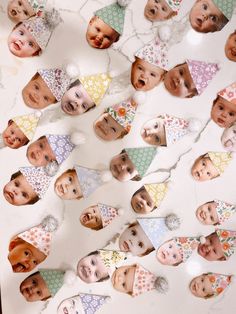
<point x="30" y="37"/>
<point x="20" y="130"/>
<point x="45" y="283"/>
<point x="190" y="78"/>
<point x="215" y="212"/>
<point x="99" y="216"/>
<point x="166" y="130"/>
<point x="150" y="65"/>
<point x="210" y="165"/>
<point x="146" y="234"/>
<point x="31" y="247"/>
<point x="106" y="26"/>
<point x="148" y="197"/>
<point x="135" y="280"/>
<point x="18" y="11"/>
<point x="161" y="10"/>
<point x="209" y="285"/>
<point x="223" y="111"/>
<point x="98" y="266"/>
<point x="211" y="15"/>
<point x="82" y="303"/>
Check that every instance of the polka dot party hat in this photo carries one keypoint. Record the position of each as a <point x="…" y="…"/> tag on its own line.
<point x="114" y="15"/>
<point x="157" y="192"/>
<point x="202" y="73"/>
<point x="219" y="282"/>
<point x="220" y="160"/>
<point x="28" y="123"/>
<point x="229" y="93"/>
<point x="224" y="210"/>
<point x="226" y="7"/>
<point x="227" y="240"/>
<point x="41" y="236"/>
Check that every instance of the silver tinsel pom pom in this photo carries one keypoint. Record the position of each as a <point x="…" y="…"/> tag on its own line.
<point x="49" y="223"/>
<point x="172" y="222"/>
<point x="52" y="168"/>
<point x="161" y="285"/>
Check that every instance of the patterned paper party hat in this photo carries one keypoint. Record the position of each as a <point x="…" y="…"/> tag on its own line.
<point x="54" y="279"/>
<point x="112" y="259"/>
<point x="144" y="281"/>
<point x="114" y="15"/>
<point x="28" y="123"/>
<point x="157" y="192"/>
<point x="219" y="282"/>
<point x="224" y="210"/>
<point x="174" y="4"/>
<point x="96" y="86"/>
<point x="229" y="93"/>
<point x="155" y="52"/>
<point x="187" y="245"/>
<point x="141" y="157"/>
<point x="227" y="240"/>
<point x="41" y="236"/>
<point x="202" y="73"/>
<point x="61" y="146"/>
<point x="220" y="160"/>
<point x="108" y="213"/>
<point x="38" y="5"/>
<point x="41" y="28"/>
<point x="226" y="7"/>
<point x="123" y="113"/>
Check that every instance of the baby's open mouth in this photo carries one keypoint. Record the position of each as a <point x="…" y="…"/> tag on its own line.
<point x="19" y="268"/>
<point x="233" y="51"/>
<point x="13" y="12"/>
<point x="86" y="218"/>
<point x="32" y="98"/>
<point x="140" y="83"/>
<point x="60" y="189"/>
<point x="69" y="107"/>
<point x="9" y="196"/>
<point x="125" y="246"/>
<point x="16" y="46"/>
<point x="100" y="127"/>
<point x="85" y="271"/>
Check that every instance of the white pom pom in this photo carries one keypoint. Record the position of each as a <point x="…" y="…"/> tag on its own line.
<point x="194" y="125"/>
<point x="70" y="277"/>
<point x="51" y="168"/>
<point x="120" y="211"/>
<point x="164" y="33"/>
<point x="172" y="222"/>
<point x="49" y="223"/>
<point x="37" y="113"/>
<point x="202" y="239"/>
<point x="77" y="138"/>
<point x="72" y="70"/>
<point x="139" y="97"/>
<point x="123" y="3"/>
<point x="161" y="285"/>
<point x="108" y="299"/>
<point x="106" y="176"/>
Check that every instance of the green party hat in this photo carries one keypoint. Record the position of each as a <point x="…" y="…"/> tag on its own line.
<point x="54" y="279"/>
<point x="226" y="7"/>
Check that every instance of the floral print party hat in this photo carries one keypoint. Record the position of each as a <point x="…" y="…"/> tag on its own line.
<point x="202" y="73"/>
<point x="187" y="245"/>
<point x="123" y="113"/>
<point x="220" y="160"/>
<point x="54" y="279"/>
<point x="28" y="123"/>
<point x="229" y="93"/>
<point x="174" y="4"/>
<point x="114" y="15"/>
<point x="157" y="192"/>
<point x="156" y="228"/>
<point x="227" y="240"/>
<point x="108" y="213"/>
<point x="112" y="259"/>
<point x="141" y="157"/>
<point x="224" y="210"/>
<point x="38" y="6"/>
<point x="41" y="28"/>
<point x="219" y="282"/>
<point x="226" y="7"/>
<point x="155" y="52"/>
<point x="41" y="236"/>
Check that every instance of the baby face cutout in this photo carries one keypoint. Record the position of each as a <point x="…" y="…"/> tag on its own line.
<point x="178" y="81"/>
<point x="122" y="167"/>
<point x="141" y="202"/>
<point x="19" y="10"/>
<point x="34" y="288"/>
<point x="207" y="213"/>
<point x="134" y="240"/>
<point x="23" y="256"/>
<point x="145" y="76"/>
<point x="230" y="47"/>
<point x="76" y="101"/>
<point x="99" y="34"/>
<point x="67" y="186"/>
<point x="169" y="253"/>
<point x="91" y="269"/>
<point x="39" y="153"/>
<point x="21" y="43"/>
<point x="18" y="191"/>
<point x="158" y="10"/>
<point x="91" y="218"/>
<point x="228" y="138"/>
<point x="13" y="137"/>
<point x="211" y="250"/>
<point x="201" y="286"/>
<point x="107" y="128"/>
<point x="223" y="112"/>
<point x="123" y="278"/>
<point x="153" y="132"/>
<point x="206" y="17"/>
<point x="70" y="306"/>
<point x="203" y="169"/>
<point x="36" y="94"/>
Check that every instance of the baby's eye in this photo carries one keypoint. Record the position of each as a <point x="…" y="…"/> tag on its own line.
<point x="46" y="157"/>
<point x="186" y="85"/>
<point x="98" y="29"/>
<point x="203" y="163"/>
<point x="203" y="289"/>
<point x="211" y="217"/>
<point x="96" y="274"/>
<point x="12" y="132"/>
<point x="214" y="250"/>
<point x="170" y="246"/>
<point x="18" y="139"/>
<point x="39" y="293"/>
<point x="157" y="1"/>
<point x="123" y="285"/>
<point x="113" y="129"/>
<point x="92" y="262"/>
<point x="149" y="204"/>
<point x="133" y="232"/>
<point x="21" y="32"/>
<point x="77" y="95"/>
<point x="156" y="126"/>
<point x="204" y="6"/>
<point x="139" y="67"/>
<point x="106" y="120"/>
<point x="26" y="253"/>
<point x="17" y="184"/>
<point x="74" y="191"/>
<point x="157" y="138"/>
<point x="24" y="194"/>
<point x="125" y="272"/>
<point x="84" y="106"/>
<point x="153" y="74"/>
<point x="35" y="262"/>
<point x="19" y="3"/>
<point x="34" y="282"/>
<point x="213" y="18"/>
<point x="234" y="131"/>
<point x="174" y="256"/>
<point x="202" y="280"/>
<point x="31" y="44"/>
<point x="231" y="114"/>
<point x="36" y="87"/>
<point x="129" y="170"/>
<point x="140" y="244"/>
<point x="70" y="179"/>
<point x="181" y="72"/>
<point x="45" y="98"/>
<point x="164" y="9"/>
<point x="123" y="158"/>
<point x="107" y="37"/>
<point x="41" y="145"/>
<point x="221" y="107"/>
<point x="208" y="173"/>
<point x="25" y="13"/>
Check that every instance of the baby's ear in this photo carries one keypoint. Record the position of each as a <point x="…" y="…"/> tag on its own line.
<point x="14" y="242"/>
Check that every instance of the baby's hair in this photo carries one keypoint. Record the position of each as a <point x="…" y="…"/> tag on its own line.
<point x="137" y="177"/>
<point x="36" y="75"/>
<point x="10" y="122"/>
<point x="97" y="253"/>
<point x="140" y="190"/>
<point x="33" y="200"/>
